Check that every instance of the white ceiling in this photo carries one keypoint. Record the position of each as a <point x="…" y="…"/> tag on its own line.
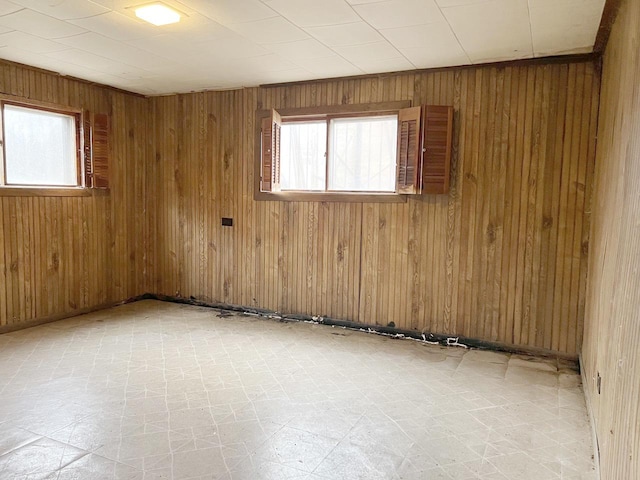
<point x="222" y="44"/>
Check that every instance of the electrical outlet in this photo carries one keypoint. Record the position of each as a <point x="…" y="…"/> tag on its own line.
<point x="227" y="222"/>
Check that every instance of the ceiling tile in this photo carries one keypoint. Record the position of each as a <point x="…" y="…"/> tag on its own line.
<point x="429" y="46"/>
<point x="62" y="67"/>
<point x="30" y="43"/>
<point x="236" y="46"/>
<point x="165" y="46"/>
<point x="7" y="7"/>
<point x="38" y="24"/>
<point x="327" y="67"/>
<point x="357" y="33"/>
<point x="203" y="30"/>
<point x="263" y="63"/>
<point x="432" y="45"/>
<point x="29" y="58"/>
<point x="195" y="26"/>
<point x="314" y="13"/>
<point x="120" y="5"/>
<point x="444" y="55"/>
<point x="168" y="68"/>
<point x="399" y="13"/>
<point x="92" y="62"/>
<point x="117" y="26"/>
<point x="252" y="72"/>
<point x="456" y="3"/>
<point x="564" y="26"/>
<point x="232" y="11"/>
<point x="282" y="76"/>
<point x="130" y="84"/>
<point x="77" y="71"/>
<point x="308" y="48"/>
<point x="113" y="50"/>
<point x="360" y="2"/>
<point x="64" y="9"/>
<point x="416" y="35"/>
<point x="231" y="43"/>
<point x="492" y="30"/>
<point x="396" y="64"/>
<point x="369" y="52"/>
<point x="271" y="30"/>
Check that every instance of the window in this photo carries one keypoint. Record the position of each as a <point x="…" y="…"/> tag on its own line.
<point x="40" y="147"/>
<point x="363" y="157"/>
<point x="353" y="152"/>
<point x="45" y="146"/>
<point x="302" y="159"/>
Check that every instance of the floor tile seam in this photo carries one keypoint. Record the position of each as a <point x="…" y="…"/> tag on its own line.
<point x="525" y="453"/>
<point x="24" y="444"/>
<point x="67" y="445"/>
<point x="164" y="370"/>
<point x="337" y="444"/>
<point x="87" y="453"/>
<point x="396" y="424"/>
<point x="77" y="420"/>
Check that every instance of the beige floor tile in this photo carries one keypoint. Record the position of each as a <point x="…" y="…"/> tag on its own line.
<point x="154" y="390"/>
<point x="94" y="467"/>
<point x="12" y="438"/>
<point x="38" y="459"/>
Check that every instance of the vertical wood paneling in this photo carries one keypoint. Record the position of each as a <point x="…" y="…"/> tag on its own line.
<point x="612" y="319"/>
<point x="59" y="255"/>
<point x="500" y="258"/>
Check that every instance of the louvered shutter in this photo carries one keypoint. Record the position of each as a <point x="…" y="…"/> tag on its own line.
<point x="100" y="154"/>
<point x="270" y="157"/>
<point x="408" y="156"/>
<point x="86" y="154"/>
<point x="436" y="153"/>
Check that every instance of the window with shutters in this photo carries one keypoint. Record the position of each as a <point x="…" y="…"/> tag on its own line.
<point x="380" y="152"/>
<point x="47" y="148"/>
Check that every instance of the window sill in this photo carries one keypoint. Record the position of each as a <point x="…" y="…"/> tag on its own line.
<point x="330" y="197"/>
<point x="45" y="192"/>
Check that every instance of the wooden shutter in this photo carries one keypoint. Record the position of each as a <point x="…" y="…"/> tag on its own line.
<point x="100" y="153"/>
<point x="437" y="136"/>
<point x="270" y="157"/>
<point x="86" y="154"/>
<point x="408" y="156"/>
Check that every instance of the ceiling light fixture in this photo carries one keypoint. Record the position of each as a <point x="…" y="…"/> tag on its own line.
<point x="157" y="14"/>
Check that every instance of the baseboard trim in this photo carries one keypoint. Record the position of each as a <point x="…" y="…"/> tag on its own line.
<point x="13" y="327"/>
<point x="592" y="422"/>
<point x="442" y="339"/>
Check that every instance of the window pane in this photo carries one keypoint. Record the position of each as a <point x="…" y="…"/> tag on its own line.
<point x="363" y="154"/>
<point x="302" y="155"/>
<point x="40" y="147"/>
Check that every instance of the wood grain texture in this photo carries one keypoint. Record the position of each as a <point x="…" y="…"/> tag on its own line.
<point x="612" y="324"/>
<point x="500" y="258"/>
<point x="64" y="254"/>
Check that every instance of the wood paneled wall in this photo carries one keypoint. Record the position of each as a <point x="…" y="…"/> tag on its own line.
<point x="502" y="258"/>
<point x="59" y="255"/>
<point x="612" y="331"/>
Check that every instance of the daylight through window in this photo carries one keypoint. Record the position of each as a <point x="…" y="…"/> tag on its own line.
<point x="39" y="147"/>
<point x="374" y="152"/>
<point x="351" y="154"/>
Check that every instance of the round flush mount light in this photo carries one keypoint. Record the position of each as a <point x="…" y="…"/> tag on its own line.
<point x="157" y="14"/>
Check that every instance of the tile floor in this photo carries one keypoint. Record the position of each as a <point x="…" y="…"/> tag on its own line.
<point x="155" y="390"/>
